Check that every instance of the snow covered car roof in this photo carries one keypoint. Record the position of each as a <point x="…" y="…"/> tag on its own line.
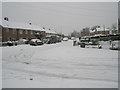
<point x="34" y="40"/>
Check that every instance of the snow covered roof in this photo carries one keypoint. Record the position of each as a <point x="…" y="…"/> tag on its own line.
<point x="21" y="25"/>
<point x="50" y="31"/>
<point x="25" y="26"/>
<point x="102" y="29"/>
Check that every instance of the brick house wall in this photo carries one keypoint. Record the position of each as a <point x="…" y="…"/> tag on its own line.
<point x="0" y="33"/>
<point x="114" y="31"/>
<point x="102" y="32"/>
<point x="16" y="34"/>
<point x="52" y="34"/>
<point x="10" y="34"/>
<point x="42" y="34"/>
<point x="119" y="27"/>
<point x="92" y="34"/>
<point x="26" y="34"/>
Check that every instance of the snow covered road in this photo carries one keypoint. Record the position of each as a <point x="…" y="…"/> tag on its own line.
<point x="59" y="65"/>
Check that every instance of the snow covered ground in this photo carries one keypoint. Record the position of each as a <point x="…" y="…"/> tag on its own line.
<point x="59" y="65"/>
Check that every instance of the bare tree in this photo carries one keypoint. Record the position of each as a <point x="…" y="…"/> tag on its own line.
<point x="75" y="34"/>
<point x="85" y="31"/>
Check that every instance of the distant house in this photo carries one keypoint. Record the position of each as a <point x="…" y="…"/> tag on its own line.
<point x="99" y="31"/>
<point x="105" y="31"/>
<point x="50" y="32"/>
<point x="15" y="31"/>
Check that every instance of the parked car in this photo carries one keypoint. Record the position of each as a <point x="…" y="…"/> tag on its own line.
<point x="58" y="39"/>
<point x="54" y="39"/>
<point x="86" y="41"/>
<point x="76" y="41"/>
<point x="9" y="43"/>
<point x="36" y="42"/>
<point x="51" y="39"/>
<point x="72" y="38"/>
<point x="47" y="40"/>
<point x="90" y="43"/>
<point x="22" y="41"/>
<point x="115" y="45"/>
<point x="15" y="43"/>
<point x="65" y="39"/>
<point x="82" y="45"/>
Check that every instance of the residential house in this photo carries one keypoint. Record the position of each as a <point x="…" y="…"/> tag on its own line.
<point x="0" y="33"/>
<point x="99" y="31"/>
<point x="15" y="31"/>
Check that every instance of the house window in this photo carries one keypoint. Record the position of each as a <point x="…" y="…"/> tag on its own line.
<point x="14" y="31"/>
<point x="8" y="39"/>
<point x="26" y="32"/>
<point x="21" y="31"/>
<point x="7" y="29"/>
<point x="31" y="32"/>
<point x="10" y="30"/>
<point x="13" y="39"/>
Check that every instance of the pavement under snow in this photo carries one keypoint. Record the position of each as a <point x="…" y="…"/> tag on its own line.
<point x="59" y="65"/>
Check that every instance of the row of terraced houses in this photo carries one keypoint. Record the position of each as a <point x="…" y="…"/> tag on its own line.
<point x="14" y="31"/>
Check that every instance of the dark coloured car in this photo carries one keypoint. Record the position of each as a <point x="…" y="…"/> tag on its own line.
<point x="90" y="43"/>
<point x="59" y="39"/>
<point x="10" y="43"/>
<point x="50" y="39"/>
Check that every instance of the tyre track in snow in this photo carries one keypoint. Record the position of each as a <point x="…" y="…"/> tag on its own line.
<point x="64" y="76"/>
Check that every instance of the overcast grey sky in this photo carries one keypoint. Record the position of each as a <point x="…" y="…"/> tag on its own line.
<point x="62" y="17"/>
